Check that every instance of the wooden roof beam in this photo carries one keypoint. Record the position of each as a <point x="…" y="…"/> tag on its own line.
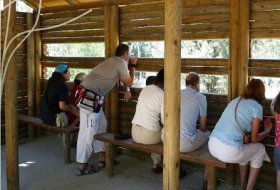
<point x="72" y="2"/>
<point x="95" y="4"/>
<point x="33" y="4"/>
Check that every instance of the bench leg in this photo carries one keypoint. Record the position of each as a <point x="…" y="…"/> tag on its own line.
<point x="66" y="148"/>
<point x="211" y="177"/>
<point x="231" y="174"/>
<point x="109" y="160"/>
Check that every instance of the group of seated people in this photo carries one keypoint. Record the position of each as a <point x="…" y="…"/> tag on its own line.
<point x="226" y="142"/>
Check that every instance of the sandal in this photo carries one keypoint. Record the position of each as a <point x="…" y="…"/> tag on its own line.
<point x="156" y="169"/>
<point x="86" y="171"/>
<point x="102" y="164"/>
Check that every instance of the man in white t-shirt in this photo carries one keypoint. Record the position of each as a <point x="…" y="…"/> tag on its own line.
<point x="146" y="123"/>
<point x="193" y="108"/>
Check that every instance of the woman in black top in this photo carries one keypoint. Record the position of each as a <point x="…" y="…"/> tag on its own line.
<point x="56" y="99"/>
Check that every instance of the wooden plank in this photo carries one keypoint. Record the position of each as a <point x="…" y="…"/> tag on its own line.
<point x="270" y="15"/>
<point x="60" y="34"/>
<point x="76" y="27"/>
<point x="265" y="5"/>
<point x="142" y="23"/>
<point x="215" y="18"/>
<point x="264" y="72"/>
<point x="94" y="4"/>
<point x="73" y="40"/>
<point x="185" y="36"/>
<point x="264" y="63"/>
<point x="205" y="35"/>
<point x="72" y="14"/>
<point x="72" y="62"/>
<point x="210" y="9"/>
<point x="142" y="31"/>
<point x="37" y="122"/>
<point x="205" y="27"/>
<point x="200" y="155"/>
<point x="194" y="3"/>
<point x="142" y="15"/>
<point x="84" y="19"/>
<point x="266" y="34"/>
<point x="265" y="25"/>
<point x="157" y="6"/>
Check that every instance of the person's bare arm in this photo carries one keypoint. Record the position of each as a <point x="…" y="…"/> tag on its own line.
<point x="255" y="135"/>
<point x="128" y="81"/>
<point x="202" y="123"/>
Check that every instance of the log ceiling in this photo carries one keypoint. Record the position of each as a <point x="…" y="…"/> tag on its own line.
<point x="61" y="5"/>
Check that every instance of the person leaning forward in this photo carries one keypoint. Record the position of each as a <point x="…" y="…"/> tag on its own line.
<point x="93" y="121"/>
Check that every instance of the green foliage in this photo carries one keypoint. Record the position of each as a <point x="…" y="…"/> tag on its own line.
<point x="76" y="50"/>
<point x="265" y="49"/>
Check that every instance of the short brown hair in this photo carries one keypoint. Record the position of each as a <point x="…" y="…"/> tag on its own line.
<point x="255" y="90"/>
<point x="277" y="104"/>
<point x="192" y="78"/>
<point x="121" y="50"/>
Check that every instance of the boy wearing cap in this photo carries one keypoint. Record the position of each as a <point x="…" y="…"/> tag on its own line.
<point x="99" y="82"/>
<point x="56" y="101"/>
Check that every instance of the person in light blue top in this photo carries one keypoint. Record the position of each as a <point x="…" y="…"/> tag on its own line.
<point x="242" y="115"/>
<point x="230" y="134"/>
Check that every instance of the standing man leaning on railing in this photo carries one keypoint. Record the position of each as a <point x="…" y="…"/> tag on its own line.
<point x="91" y="97"/>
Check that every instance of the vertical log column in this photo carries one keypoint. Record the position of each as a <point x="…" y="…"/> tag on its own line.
<point x="11" y="130"/>
<point x="239" y="57"/>
<point x="114" y="28"/>
<point x="239" y="47"/>
<point x="172" y="72"/>
<point x="38" y="66"/>
<point x="244" y="44"/>
<point x="234" y="49"/>
<point x="107" y="24"/>
<point x="31" y="71"/>
<point x="111" y="43"/>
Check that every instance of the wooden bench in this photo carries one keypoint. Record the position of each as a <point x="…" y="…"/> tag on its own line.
<point x="201" y="156"/>
<point x="66" y="131"/>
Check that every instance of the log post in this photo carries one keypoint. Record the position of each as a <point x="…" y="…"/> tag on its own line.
<point x="38" y="70"/>
<point x="234" y="50"/>
<point x="114" y="28"/>
<point x="111" y="43"/>
<point x="31" y="72"/>
<point x="38" y="67"/>
<point x="239" y="57"/>
<point x="172" y="72"/>
<point x="244" y="44"/>
<point x="11" y="124"/>
<point x="107" y="24"/>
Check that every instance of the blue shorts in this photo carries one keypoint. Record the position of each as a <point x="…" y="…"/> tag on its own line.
<point x="276" y="156"/>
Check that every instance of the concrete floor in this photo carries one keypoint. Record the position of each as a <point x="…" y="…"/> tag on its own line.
<point x="41" y="167"/>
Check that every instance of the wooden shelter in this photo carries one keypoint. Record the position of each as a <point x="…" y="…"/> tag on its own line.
<point x="115" y="21"/>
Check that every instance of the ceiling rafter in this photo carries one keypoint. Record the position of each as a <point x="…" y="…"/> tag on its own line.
<point x="72" y="2"/>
